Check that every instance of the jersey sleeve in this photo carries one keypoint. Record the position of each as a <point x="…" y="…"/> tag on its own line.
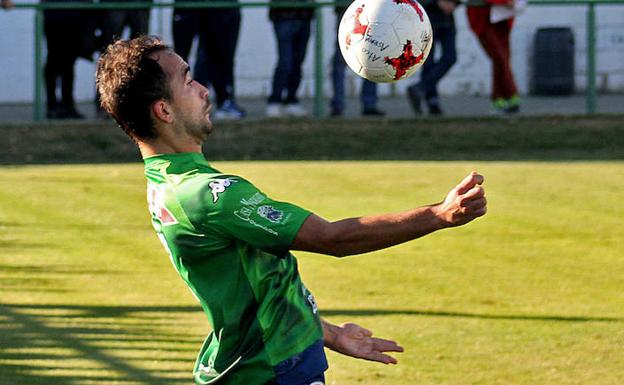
<point x="238" y="210"/>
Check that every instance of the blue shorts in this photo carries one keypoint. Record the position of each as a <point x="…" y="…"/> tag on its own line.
<point x="305" y="368"/>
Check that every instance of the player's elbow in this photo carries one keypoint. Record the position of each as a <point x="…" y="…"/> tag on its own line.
<point x="320" y="236"/>
<point x="332" y="242"/>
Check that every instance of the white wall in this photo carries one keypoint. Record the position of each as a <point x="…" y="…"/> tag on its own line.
<point x="256" y="52"/>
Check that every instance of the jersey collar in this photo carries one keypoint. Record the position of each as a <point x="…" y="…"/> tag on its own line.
<point x="194" y="157"/>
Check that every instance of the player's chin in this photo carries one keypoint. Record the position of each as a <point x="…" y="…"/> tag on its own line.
<point x="206" y="122"/>
<point x="204" y="130"/>
<point x="207" y="127"/>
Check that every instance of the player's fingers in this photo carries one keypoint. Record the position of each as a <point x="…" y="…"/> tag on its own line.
<point x="365" y="332"/>
<point x="383" y="358"/>
<point x="355" y="329"/>
<point x="480" y="212"/>
<point x="386" y="345"/>
<point x="474" y="193"/>
<point x="469" y="182"/>
<point x="476" y="204"/>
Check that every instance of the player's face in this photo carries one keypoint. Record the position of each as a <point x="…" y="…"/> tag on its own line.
<point x="189" y="99"/>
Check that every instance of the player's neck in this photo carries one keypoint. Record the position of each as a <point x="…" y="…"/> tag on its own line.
<point x="158" y="147"/>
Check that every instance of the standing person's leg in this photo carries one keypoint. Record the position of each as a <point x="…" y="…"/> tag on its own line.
<point x="338" y="80"/>
<point x="301" y="37"/>
<point x="221" y="39"/>
<point x="52" y="65"/>
<point x="416" y="91"/>
<point x="508" y="84"/>
<point x="368" y="97"/>
<point x="138" y="21"/>
<point x="284" y="38"/>
<point x="71" y="31"/>
<point x="185" y="28"/>
<point x="228" y="22"/>
<point x="491" y="45"/>
<point x="435" y="72"/>
<point x="426" y="85"/>
<point x="204" y="69"/>
<point x="68" y="105"/>
<point x="111" y="28"/>
<point x="494" y="45"/>
<point x="205" y="62"/>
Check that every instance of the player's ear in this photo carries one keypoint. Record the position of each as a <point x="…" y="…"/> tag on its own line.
<point x="161" y="111"/>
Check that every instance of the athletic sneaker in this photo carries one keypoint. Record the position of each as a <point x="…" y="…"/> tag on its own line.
<point x="373" y="111"/>
<point x="69" y="112"/>
<point x="499" y="107"/>
<point x="435" y="110"/>
<point x="295" y="110"/>
<point x="513" y="104"/>
<point x="274" y="110"/>
<point x="509" y="106"/>
<point x="433" y="104"/>
<point x="229" y="111"/>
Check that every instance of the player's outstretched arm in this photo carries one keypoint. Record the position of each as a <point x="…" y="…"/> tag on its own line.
<point x="351" y="236"/>
<point x="355" y="341"/>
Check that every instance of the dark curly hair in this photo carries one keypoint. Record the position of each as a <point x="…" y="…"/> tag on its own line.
<point x="129" y="81"/>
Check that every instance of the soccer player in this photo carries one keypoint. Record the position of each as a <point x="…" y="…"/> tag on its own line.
<point x="231" y="243"/>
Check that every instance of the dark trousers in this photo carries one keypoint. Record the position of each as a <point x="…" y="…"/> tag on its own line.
<point x="63" y="40"/>
<point x="495" y="42"/>
<point x="368" y="95"/>
<point x="217" y="30"/>
<point x="113" y="22"/>
<point x="292" y="41"/>
<point x="185" y="28"/>
<point x="434" y="70"/>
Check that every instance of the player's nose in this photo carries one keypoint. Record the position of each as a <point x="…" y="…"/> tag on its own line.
<point x="203" y="91"/>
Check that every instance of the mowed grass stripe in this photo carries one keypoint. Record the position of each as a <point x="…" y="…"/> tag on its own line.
<point x="529" y="294"/>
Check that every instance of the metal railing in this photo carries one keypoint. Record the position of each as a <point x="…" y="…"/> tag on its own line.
<point x="318" y="47"/>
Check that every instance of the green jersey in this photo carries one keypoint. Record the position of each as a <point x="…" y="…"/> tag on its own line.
<point x="230" y="244"/>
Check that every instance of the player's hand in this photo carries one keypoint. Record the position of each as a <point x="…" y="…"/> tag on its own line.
<point x="355" y="341"/>
<point x="465" y="202"/>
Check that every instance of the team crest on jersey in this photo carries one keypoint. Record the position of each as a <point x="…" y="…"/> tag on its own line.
<point x="271" y="214"/>
<point x="217" y="186"/>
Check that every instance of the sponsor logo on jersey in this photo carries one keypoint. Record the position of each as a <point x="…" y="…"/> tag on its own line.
<point x="156" y="206"/>
<point x="255" y="200"/>
<point x="249" y="207"/>
<point x="217" y="186"/>
<point x="271" y="214"/>
<point x="244" y="214"/>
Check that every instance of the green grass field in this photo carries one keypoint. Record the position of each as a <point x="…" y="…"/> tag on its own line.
<point x="531" y="294"/>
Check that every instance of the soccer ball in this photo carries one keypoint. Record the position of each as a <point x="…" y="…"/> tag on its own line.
<point x="385" y="40"/>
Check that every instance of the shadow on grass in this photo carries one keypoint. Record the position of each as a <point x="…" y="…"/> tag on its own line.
<point x="75" y="344"/>
<point x="71" y="345"/>
<point x="511" y="317"/>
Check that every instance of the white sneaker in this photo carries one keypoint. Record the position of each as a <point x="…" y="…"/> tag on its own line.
<point x="274" y="110"/>
<point x="229" y="111"/>
<point x="295" y="110"/>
